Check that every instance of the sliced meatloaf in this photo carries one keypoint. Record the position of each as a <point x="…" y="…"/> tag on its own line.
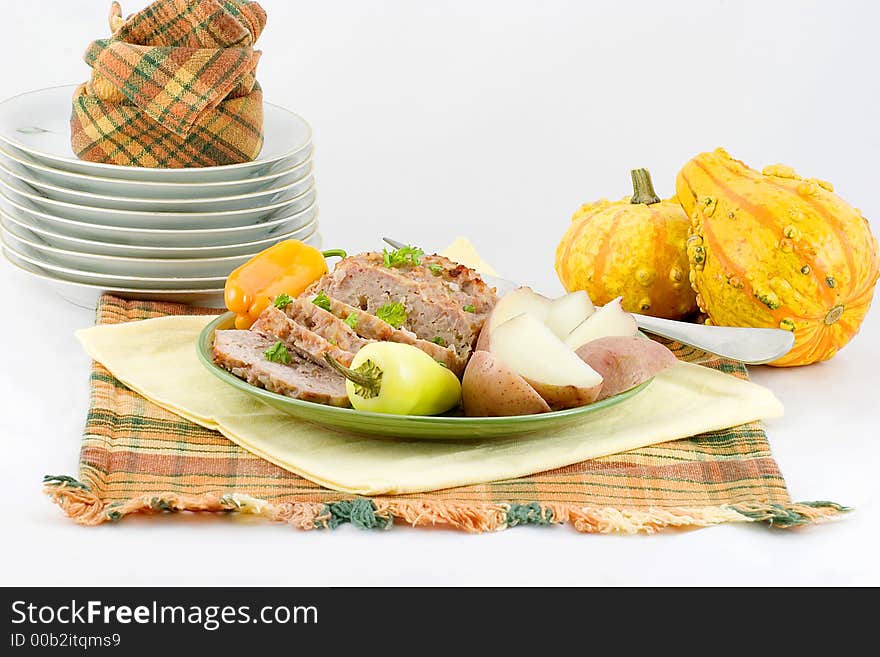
<point x="436" y="310"/>
<point x="312" y="332"/>
<point x="327" y="325"/>
<point x="372" y="328"/>
<point x="445" y="303"/>
<point x="464" y="283"/>
<point x="242" y="353"/>
<point x="276" y="324"/>
<point x="461" y="282"/>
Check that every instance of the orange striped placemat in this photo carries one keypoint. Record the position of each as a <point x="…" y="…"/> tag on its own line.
<point x="139" y="458"/>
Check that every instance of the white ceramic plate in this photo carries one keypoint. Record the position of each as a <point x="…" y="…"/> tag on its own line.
<point x="91" y="278"/>
<point x="267" y="197"/>
<point x="29" y="244"/>
<point x="33" y="232"/>
<point x="146" y="189"/>
<point x="86" y="296"/>
<point x="38" y="123"/>
<point x="176" y="238"/>
<point x="15" y="190"/>
<point x="75" y="187"/>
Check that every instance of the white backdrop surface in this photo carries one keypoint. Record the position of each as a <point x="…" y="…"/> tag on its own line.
<point x="492" y="120"/>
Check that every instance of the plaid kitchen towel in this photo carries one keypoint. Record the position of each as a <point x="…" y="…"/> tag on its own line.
<point x="140" y="458"/>
<point x="174" y="87"/>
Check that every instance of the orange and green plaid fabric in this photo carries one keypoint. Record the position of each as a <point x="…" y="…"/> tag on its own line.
<point x="139" y="458"/>
<point x="174" y="87"/>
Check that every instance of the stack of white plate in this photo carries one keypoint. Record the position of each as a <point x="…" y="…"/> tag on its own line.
<point x="171" y="234"/>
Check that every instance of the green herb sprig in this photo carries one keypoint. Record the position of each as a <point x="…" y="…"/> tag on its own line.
<point x="322" y="301"/>
<point x="282" y="300"/>
<point x="407" y="255"/>
<point x="278" y="353"/>
<point x="392" y="313"/>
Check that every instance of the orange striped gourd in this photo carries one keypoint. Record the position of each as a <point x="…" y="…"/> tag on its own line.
<point x="773" y="249"/>
<point x="634" y="248"/>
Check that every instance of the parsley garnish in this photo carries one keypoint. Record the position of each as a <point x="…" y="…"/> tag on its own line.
<point x="439" y="340"/>
<point x="322" y="301"/>
<point x="407" y="255"/>
<point x="278" y="353"/>
<point x="282" y="300"/>
<point x="437" y="270"/>
<point x="392" y="313"/>
<point x="351" y="320"/>
<point x="469" y="308"/>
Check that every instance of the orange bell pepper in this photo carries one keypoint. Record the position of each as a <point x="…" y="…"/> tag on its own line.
<point x="288" y="267"/>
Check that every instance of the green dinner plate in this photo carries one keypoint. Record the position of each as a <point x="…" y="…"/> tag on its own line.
<point x="415" y="427"/>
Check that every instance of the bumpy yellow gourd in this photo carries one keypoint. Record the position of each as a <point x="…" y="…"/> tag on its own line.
<point x="773" y="249"/>
<point x="634" y="248"/>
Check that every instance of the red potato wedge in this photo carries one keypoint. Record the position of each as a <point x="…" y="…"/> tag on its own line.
<point x="483" y="340"/>
<point x="609" y="320"/>
<point x="625" y="361"/>
<point x="490" y="388"/>
<point x="519" y="301"/>
<point x="556" y="372"/>
<point x="568" y="312"/>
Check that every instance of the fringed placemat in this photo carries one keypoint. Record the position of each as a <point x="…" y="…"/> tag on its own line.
<point x="139" y="458"/>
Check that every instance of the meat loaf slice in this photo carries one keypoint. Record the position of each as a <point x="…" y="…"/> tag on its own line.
<point x="464" y="279"/>
<point x="275" y="324"/>
<point x="241" y="352"/>
<point x="371" y="327"/>
<point x="434" y="313"/>
<point x="327" y="325"/>
<point x="463" y="283"/>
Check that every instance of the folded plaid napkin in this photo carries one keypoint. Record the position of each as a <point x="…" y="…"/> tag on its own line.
<point x="138" y="457"/>
<point x="174" y="87"/>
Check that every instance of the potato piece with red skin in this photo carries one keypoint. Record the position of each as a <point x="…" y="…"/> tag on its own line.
<point x="568" y="312"/>
<point x="611" y="319"/>
<point x="625" y="361"/>
<point x="490" y="388"/>
<point x="547" y="364"/>
<point x="519" y="301"/>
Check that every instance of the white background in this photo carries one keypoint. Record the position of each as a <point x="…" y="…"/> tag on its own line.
<point x="494" y="120"/>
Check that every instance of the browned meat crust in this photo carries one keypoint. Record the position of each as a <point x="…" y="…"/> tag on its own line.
<point x="241" y="352"/>
<point x="372" y="328"/>
<point x="446" y="305"/>
<point x="327" y="325"/>
<point x="275" y="324"/>
<point x="438" y="308"/>
<point x="463" y="283"/>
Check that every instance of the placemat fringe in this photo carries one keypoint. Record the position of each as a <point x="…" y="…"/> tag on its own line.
<point x="86" y="508"/>
<point x="139" y="458"/>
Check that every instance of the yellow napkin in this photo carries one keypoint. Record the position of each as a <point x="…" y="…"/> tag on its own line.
<point x="464" y="252"/>
<point x="157" y="358"/>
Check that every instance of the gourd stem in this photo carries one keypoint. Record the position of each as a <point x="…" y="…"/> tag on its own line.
<point x="334" y="253"/>
<point x="643" y="188"/>
<point x="371" y="383"/>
